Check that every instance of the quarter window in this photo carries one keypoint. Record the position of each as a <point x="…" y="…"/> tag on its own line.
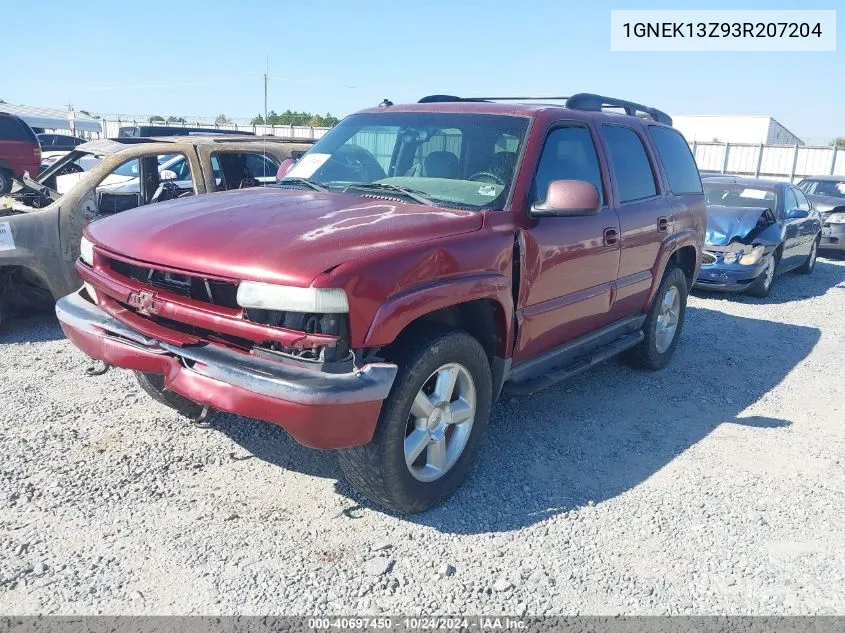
<point x="677" y="159"/>
<point x="634" y="175"/>
<point x="569" y="154"/>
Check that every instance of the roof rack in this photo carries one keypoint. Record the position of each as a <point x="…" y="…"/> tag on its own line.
<point x="583" y="101"/>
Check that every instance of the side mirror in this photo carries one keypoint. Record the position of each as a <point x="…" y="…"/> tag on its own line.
<point x="284" y="168"/>
<point x="797" y="214"/>
<point x="166" y="174"/>
<point x="568" y="198"/>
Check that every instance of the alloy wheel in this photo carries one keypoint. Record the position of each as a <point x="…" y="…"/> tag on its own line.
<point x="440" y="422"/>
<point x="667" y="319"/>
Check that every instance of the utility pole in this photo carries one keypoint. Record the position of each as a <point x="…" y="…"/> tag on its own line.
<point x="266" y="72"/>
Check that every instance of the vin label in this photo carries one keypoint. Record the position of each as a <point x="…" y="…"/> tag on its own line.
<point x="723" y="30"/>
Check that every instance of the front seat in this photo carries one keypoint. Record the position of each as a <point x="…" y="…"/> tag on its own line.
<point x="440" y="165"/>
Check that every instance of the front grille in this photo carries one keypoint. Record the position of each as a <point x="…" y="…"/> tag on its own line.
<point x="708" y="258"/>
<point x="221" y="293"/>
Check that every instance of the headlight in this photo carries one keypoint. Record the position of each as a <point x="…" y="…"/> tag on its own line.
<point x="752" y="257"/>
<point x="256" y="294"/>
<point x="86" y="251"/>
<point x="836" y="218"/>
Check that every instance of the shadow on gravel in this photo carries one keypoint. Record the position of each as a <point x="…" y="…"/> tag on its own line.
<point x="32" y="329"/>
<point x="595" y="437"/>
<point x="791" y="286"/>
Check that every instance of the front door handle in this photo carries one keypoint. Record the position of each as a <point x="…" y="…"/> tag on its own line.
<point x="610" y="237"/>
<point x="663" y="224"/>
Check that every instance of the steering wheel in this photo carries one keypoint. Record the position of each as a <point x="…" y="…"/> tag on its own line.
<point x="354" y="163"/>
<point x="479" y="176"/>
<point x="70" y="168"/>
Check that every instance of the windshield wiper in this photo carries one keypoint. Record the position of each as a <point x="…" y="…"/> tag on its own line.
<point x="413" y="194"/>
<point x="302" y="181"/>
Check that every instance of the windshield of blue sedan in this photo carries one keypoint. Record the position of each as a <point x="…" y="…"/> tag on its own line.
<point x="448" y="159"/>
<point x="738" y="195"/>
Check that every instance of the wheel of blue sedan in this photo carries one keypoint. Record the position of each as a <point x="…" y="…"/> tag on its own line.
<point x="763" y="286"/>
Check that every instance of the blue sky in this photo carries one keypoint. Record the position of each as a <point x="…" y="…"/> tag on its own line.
<point x="202" y="59"/>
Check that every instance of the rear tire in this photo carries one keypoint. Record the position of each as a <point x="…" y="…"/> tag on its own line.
<point x="153" y="384"/>
<point x="663" y="325"/>
<point x="807" y="267"/>
<point x="762" y="287"/>
<point x="389" y="470"/>
<point x="5" y="181"/>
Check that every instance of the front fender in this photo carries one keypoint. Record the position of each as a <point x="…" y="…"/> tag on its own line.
<point x="401" y="309"/>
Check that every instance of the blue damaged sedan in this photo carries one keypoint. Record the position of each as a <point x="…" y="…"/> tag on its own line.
<point x="756" y="230"/>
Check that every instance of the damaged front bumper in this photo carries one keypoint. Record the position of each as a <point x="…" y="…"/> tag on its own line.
<point x="318" y="409"/>
<point x="729" y="277"/>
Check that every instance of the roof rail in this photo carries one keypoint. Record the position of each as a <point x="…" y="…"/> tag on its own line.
<point x="596" y="103"/>
<point x="582" y="101"/>
<point x="453" y="98"/>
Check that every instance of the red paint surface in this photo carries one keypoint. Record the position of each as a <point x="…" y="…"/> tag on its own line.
<point x="311" y="425"/>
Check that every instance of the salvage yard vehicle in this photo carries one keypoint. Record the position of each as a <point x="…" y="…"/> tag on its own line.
<point x="756" y="230"/>
<point x="827" y="194"/>
<point x="416" y="262"/>
<point x="20" y="152"/>
<point x="41" y="221"/>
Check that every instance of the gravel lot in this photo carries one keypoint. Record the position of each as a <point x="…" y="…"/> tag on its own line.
<point x="715" y="486"/>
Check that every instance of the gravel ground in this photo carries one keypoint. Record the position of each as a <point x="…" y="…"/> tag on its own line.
<point x="714" y="486"/>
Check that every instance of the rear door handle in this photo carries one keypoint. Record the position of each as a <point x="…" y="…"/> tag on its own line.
<point x="662" y="224"/>
<point x="610" y="237"/>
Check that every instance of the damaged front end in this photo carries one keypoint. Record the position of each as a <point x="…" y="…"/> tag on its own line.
<point x="737" y="246"/>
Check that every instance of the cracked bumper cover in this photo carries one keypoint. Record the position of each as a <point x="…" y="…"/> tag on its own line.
<point x="318" y="409"/>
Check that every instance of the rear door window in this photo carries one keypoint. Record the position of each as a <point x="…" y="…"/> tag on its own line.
<point x="677" y="159"/>
<point x="634" y="175"/>
<point x="12" y="130"/>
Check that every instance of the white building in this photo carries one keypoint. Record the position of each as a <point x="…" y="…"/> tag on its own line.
<point x="734" y="129"/>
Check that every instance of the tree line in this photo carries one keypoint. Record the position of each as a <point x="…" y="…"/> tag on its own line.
<point x="289" y="117"/>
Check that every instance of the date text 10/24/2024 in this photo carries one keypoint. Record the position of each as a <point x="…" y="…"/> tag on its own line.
<point x="418" y="623"/>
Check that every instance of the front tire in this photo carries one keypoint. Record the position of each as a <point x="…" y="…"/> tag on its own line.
<point x="153" y="384"/>
<point x="431" y="425"/>
<point x="762" y="287"/>
<point x="663" y="325"/>
<point x="5" y="181"/>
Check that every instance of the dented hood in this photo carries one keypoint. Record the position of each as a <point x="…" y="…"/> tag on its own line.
<point x="725" y="223"/>
<point x="275" y="235"/>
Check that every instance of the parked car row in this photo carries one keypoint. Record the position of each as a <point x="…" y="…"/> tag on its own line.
<point x="414" y="264"/>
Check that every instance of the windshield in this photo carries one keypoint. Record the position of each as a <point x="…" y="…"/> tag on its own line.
<point x="449" y="159"/>
<point x="722" y="195"/>
<point x="830" y="188"/>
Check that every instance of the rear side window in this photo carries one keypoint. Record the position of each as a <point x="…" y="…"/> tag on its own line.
<point x="12" y="129"/>
<point x="569" y="154"/>
<point x="677" y="160"/>
<point x="634" y="176"/>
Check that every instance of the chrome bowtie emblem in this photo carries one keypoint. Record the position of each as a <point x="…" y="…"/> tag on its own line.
<point x="144" y="302"/>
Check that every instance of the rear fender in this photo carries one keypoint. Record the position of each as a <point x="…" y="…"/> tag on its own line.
<point x="401" y="310"/>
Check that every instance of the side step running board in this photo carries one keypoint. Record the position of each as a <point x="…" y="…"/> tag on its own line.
<point x="564" y="373"/>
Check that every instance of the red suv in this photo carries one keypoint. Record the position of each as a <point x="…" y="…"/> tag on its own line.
<point x="19" y="150"/>
<point x="416" y="262"/>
